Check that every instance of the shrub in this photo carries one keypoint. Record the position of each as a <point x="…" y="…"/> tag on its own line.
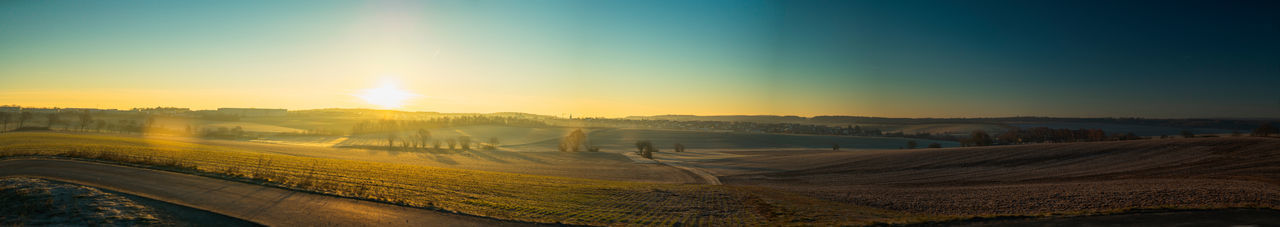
<point x="1265" y="130"/>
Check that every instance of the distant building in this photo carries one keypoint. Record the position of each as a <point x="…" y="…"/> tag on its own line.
<point x="11" y="109"/>
<point x="163" y="110"/>
<point x="90" y="110"/>
<point x="253" y="112"/>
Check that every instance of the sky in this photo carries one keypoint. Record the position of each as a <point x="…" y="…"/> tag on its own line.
<point x="1158" y="59"/>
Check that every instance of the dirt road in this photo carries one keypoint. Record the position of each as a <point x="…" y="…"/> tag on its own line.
<point x="260" y="204"/>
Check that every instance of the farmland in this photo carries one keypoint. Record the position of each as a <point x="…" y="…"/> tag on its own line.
<point x="509" y="196"/>
<point x="762" y="185"/>
<point x="622" y="139"/>
<point x="1029" y="179"/>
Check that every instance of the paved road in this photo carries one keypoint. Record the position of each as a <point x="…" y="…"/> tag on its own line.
<point x="263" y="205"/>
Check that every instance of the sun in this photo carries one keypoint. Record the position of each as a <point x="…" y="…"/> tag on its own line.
<point x="387" y="96"/>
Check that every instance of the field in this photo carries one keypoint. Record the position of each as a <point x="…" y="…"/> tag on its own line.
<point x="508" y="196"/>
<point x="762" y="185"/>
<point x="506" y="135"/>
<point x="546" y="162"/>
<point x="1140" y="130"/>
<point x="1028" y="179"/>
<point x="624" y="140"/>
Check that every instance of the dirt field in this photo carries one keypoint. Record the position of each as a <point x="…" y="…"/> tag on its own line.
<point x="1027" y="179"/>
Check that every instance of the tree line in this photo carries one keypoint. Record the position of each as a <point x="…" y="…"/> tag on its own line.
<point x="422" y="139"/>
<point x="80" y="121"/>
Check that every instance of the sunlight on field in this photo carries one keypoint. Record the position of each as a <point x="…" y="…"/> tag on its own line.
<point x="492" y="194"/>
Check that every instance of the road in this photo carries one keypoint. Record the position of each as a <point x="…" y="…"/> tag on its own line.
<point x="264" y="205"/>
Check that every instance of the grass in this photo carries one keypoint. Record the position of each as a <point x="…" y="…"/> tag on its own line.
<point x="509" y="196"/>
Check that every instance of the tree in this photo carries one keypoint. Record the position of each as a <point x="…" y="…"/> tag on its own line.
<point x="85" y="119"/>
<point x="1265" y="130"/>
<point x="642" y="146"/>
<point x="835" y="146"/>
<point x="1187" y="134"/>
<point x="237" y="131"/>
<point x="979" y="138"/>
<point x="912" y="144"/>
<point x="23" y="117"/>
<point x="646" y="149"/>
<point x="935" y="145"/>
<point x="53" y="119"/>
<point x="465" y="141"/>
<point x="435" y="144"/>
<point x="391" y="140"/>
<point x="573" y="141"/>
<point x="4" y="117"/>
<point x="678" y="147"/>
<point x="1009" y="137"/>
<point x="648" y="153"/>
<point x="452" y="143"/>
<point x="100" y="124"/>
<point x="424" y="136"/>
<point x="493" y="143"/>
<point x="151" y="121"/>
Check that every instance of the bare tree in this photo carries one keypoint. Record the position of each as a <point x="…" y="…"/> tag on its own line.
<point x="645" y="149"/>
<point x="424" y="136"/>
<point x="978" y="138"/>
<point x="53" y="119"/>
<point x="452" y="143"/>
<point x="1265" y="130"/>
<point x="573" y="141"/>
<point x="23" y="117"/>
<point x="465" y="141"/>
<point x="678" y="147"/>
<point x="4" y="117"/>
<point x="912" y="144"/>
<point x="493" y="143"/>
<point x="391" y="140"/>
<point x="642" y="144"/>
<point x="151" y="121"/>
<point x="85" y="119"/>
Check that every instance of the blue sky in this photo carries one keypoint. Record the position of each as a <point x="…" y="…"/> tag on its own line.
<point x="618" y="58"/>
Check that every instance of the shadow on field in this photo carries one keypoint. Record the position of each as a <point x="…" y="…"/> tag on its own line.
<point x="438" y="158"/>
<point x="1161" y="217"/>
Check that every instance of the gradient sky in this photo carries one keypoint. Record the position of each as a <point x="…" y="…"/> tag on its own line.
<point x="619" y="58"/>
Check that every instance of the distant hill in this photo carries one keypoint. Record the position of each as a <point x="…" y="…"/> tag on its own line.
<point x="1023" y="122"/>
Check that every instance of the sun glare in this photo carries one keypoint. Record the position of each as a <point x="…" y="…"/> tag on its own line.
<point x="386" y="96"/>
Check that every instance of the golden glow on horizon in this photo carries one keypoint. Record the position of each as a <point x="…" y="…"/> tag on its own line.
<point x="388" y="95"/>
